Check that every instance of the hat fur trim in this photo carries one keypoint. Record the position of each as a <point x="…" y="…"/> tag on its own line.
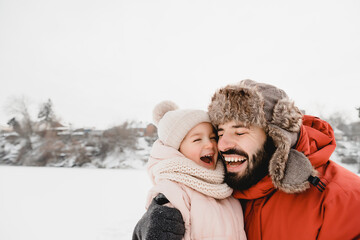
<point x="245" y="103"/>
<point x="237" y="103"/>
<point x="288" y="168"/>
<point x="287" y="116"/>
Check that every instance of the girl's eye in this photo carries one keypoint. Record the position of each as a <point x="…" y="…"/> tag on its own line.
<point x="220" y="135"/>
<point x="196" y="140"/>
<point x="239" y="134"/>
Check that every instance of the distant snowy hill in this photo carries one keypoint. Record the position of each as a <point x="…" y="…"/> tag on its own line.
<point x="110" y="151"/>
<point x="347" y="154"/>
<point x="107" y="151"/>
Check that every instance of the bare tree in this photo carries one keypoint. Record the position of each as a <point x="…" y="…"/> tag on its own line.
<point x="122" y="136"/>
<point x="19" y="107"/>
<point x="16" y="126"/>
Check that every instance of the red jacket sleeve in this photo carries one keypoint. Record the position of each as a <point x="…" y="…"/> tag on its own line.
<point x="341" y="216"/>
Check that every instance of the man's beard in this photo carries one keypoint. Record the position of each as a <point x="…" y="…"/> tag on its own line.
<point x="254" y="172"/>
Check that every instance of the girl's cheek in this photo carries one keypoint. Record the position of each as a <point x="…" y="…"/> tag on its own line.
<point x="216" y="146"/>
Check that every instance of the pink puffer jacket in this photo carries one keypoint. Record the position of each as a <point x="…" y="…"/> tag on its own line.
<point x="205" y="217"/>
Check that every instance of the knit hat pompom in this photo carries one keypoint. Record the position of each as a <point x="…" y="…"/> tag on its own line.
<point x="161" y="109"/>
<point x="173" y="123"/>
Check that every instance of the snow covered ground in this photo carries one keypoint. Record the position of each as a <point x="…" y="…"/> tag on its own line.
<point x="73" y="203"/>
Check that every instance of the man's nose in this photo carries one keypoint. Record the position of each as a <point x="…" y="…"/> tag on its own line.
<point x="225" y="143"/>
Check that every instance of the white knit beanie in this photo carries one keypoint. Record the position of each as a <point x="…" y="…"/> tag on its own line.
<point x="173" y="123"/>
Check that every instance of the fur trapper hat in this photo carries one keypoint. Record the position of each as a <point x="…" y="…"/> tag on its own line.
<point x="173" y="123"/>
<point x="264" y="105"/>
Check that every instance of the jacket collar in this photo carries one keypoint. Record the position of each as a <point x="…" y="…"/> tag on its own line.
<point x="316" y="141"/>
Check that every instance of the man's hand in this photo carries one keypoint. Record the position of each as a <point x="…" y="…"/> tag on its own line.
<point x="160" y="222"/>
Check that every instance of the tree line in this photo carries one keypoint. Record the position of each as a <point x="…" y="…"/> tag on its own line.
<point x="45" y="142"/>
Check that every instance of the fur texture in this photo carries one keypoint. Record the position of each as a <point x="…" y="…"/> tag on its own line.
<point x="288" y="168"/>
<point x="287" y="116"/>
<point x="238" y="103"/>
<point x="264" y="105"/>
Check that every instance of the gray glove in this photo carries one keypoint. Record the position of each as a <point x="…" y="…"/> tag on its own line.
<point x="160" y="222"/>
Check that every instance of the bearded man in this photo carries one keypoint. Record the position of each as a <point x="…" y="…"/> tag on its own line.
<point x="277" y="162"/>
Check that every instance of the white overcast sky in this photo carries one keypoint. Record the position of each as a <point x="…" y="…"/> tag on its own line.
<point x="106" y="61"/>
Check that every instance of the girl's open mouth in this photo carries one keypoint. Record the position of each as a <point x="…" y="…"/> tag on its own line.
<point x="207" y="158"/>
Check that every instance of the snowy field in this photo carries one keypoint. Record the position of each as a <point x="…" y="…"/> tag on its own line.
<point x="72" y="203"/>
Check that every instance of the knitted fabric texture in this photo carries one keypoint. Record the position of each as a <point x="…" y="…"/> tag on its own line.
<point x="173" y="124"/>
<point x="183" y="170"/>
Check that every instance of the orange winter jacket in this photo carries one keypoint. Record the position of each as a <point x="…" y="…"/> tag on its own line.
<point x="332" y="214"/>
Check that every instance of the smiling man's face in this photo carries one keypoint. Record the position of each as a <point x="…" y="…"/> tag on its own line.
<point x="246" y="152"/>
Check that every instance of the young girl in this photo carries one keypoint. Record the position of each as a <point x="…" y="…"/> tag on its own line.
<point x="184" y="166"/>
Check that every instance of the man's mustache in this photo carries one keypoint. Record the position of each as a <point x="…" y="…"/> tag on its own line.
<point x="234" y="151"/>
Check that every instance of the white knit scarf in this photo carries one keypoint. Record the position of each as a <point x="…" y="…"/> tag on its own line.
<point x="187" y="172"/>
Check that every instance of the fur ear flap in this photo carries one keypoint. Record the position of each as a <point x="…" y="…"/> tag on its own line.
<point x="298" y="169"/>
<point x="288" y="168"/>
<point x="287" y="116"/>
<point x="161" y="109"/>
